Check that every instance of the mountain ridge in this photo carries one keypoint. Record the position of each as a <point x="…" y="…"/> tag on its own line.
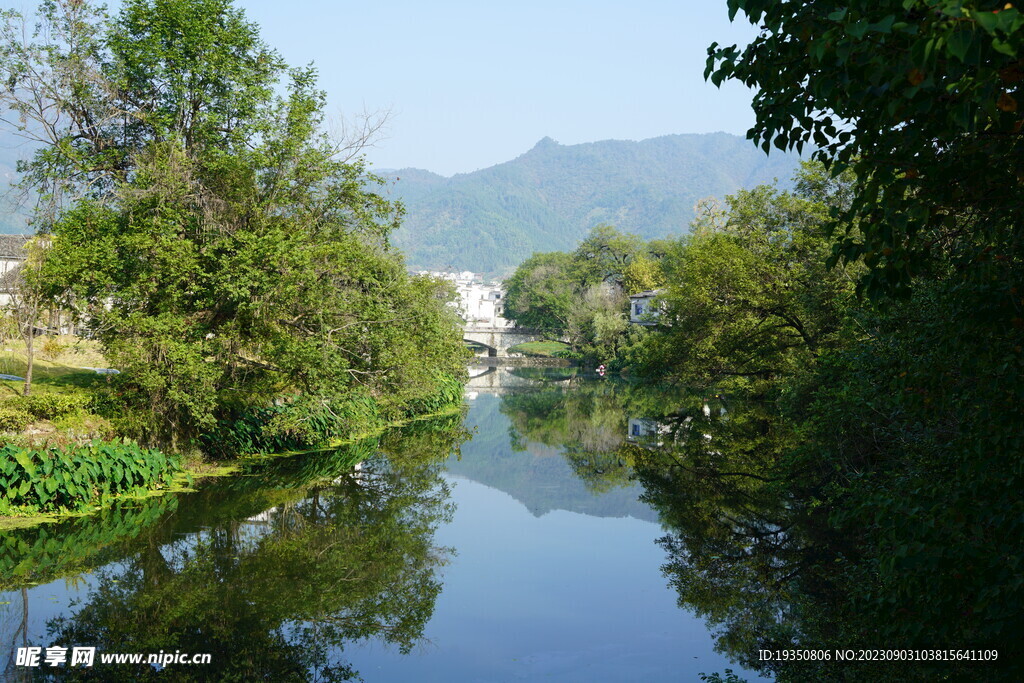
<point x="550" y="196"/>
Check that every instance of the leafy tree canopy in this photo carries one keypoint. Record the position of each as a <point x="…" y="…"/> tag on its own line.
<point x="921" y="98"/>
<point x="223" y="249"/>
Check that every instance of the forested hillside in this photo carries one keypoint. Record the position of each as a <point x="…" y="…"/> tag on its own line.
<point x="13" y="216"/>
<point x="548" y="198"/>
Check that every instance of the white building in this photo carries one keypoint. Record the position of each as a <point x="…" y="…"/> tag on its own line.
<point x="642" y="307"/>
<point x="12" y="255"/>
<point x="482" y="304"/>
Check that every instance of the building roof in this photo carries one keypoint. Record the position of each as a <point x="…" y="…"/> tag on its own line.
<point x="647" y="294"/>
<point x="13" y="246"/>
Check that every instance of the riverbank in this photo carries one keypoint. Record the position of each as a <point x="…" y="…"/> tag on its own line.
<point x="195" y="470"/>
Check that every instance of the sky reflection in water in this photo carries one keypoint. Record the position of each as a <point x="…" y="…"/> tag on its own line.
<point x="548" y="581"/>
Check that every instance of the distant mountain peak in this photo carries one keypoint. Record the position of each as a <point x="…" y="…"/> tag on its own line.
<point x="544" y="143"/>
<point x="547" y="199"/>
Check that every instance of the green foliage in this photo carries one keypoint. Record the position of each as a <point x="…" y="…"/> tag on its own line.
<point x="539" y="294"/>
<point x="921" y="98"/>
<point x="52" y="348"/>
<point x="916" y="434"/>
<point x="50" y="406"/>
<point x="882" y="509"/>
<point x="578" y="296"/>
<point x="605" y="255"/>
<point x="12" y="418"/>
<point x="753" y="299"/>
<point x="225" y="252"/>
<point x="74" y="478"/>
<point x="729" y="677"/>
<point x="449" y="392"/>
<point x="293" y="425"/>
<point x="642" y="274"/>
<point x="305" y="423"/>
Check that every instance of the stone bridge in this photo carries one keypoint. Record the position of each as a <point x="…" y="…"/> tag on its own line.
<point x="498" y="340"/>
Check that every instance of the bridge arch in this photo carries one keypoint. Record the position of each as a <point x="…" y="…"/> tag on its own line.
<point x="499" y="340"/>
<point x="491" y="351"/>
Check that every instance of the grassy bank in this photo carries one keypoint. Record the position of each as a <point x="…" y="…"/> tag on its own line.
<point x="192" y="470"/>
<point x="66" y="454"/>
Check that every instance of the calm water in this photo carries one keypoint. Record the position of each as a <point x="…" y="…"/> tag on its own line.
<point x="511" y="546"/>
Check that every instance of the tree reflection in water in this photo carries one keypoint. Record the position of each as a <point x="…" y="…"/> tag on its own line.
<point x="277" y="595"/>
<point x="752" y="543"/>
<point x="736" y="544"/>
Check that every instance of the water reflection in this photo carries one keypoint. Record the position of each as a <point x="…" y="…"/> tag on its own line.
<point x="273" y="573"/>
<point x="751" y="539"/>
<point x="737" y="542"/>
<point x="304" y="569"/>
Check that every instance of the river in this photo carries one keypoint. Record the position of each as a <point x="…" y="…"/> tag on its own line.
<point x="513" y="542"/>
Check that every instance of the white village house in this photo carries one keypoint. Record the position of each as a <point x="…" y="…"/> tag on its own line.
<point x="480" y="303"/>
<point x="642" y="308"/>
<point x="12" y="255"/>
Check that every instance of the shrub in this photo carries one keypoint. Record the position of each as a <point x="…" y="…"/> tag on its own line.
<point x="52" y="348"/>
<point x="73" y="478"/>
<point x="306" y="422"/>
<point x="13" y="419"/>
<point x="51" y="406"/>
<point x="449" y="390"/>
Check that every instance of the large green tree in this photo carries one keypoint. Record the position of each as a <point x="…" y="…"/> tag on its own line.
<point x="911" y="428"/>
<point x="540" y="292"/>
<point x="223" y="249"/>
<point x="753" y="297"/>
<point x="580" y="296"/>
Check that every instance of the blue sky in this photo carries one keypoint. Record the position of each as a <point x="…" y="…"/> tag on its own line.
<point x="470" y="84"/>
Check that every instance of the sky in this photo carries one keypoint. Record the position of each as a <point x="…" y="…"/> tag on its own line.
<point x="469" y="84"/>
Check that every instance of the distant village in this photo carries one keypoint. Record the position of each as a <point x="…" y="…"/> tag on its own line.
<point x="481" y="302"/>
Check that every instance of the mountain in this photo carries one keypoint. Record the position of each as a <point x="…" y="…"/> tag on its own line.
<point x="548" y="198"/>
<point x="539" y="477"/>
<point x="13" y="217"/>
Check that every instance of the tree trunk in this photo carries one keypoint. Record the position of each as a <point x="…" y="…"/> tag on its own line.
<point x="29" y="348"/>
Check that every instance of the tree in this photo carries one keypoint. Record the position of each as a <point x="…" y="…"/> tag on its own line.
<point x="911" y="430"/>
<point x="540" y="293"/>
<point x="27" y="301"/>
<point x="642" y="274"/>
<point x="754" y="298"/>
<point x="224" y="250"/>
<point x="604" y="255"/>
<point x="580" y="295"/>
<point x="921" y="98"/>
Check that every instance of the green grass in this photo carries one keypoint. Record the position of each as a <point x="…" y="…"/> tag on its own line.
<point x="60" y="373"/>
<point x="543" y="349"/>
<point x="49" y="377"/>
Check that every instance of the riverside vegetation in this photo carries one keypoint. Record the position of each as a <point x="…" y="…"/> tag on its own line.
<point x="876" y="313"/>
<point x="230" y="259"/>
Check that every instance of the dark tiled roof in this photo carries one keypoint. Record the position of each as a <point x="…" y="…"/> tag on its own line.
<point x="13" y="246"/>
<point x="644" y="295"/>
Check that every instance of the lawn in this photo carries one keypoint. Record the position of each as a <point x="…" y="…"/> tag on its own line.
<point x="58" y="365"/>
